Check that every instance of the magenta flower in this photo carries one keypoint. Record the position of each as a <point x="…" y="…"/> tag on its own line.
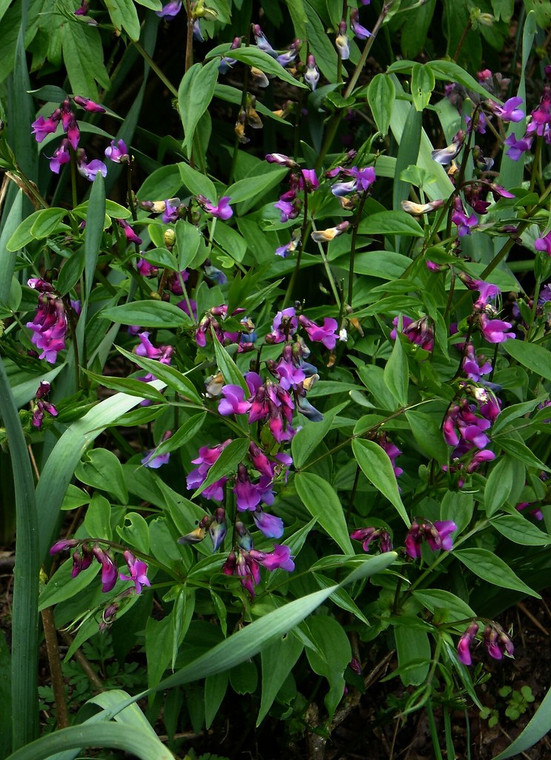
<point x="247" y="495"/>
<point x="88" y="104"/>
<point x="207" y="457"/>
<point x="497" y="642"/>
<point x="368" y="535"/>
<point x="494" y="330"/>
<point x="475" y="366"/>
<point x="43" y="127"/>
<point x="279" y="558"/>
<point x="117" y="152"/>
<point x="464" y="224"/>
<point x="61" y="156"/>
<point x="138" y="572"/>
<point x="129" y="233"/>
<point x="82" y="559"/>
<point x="543" y="244"/>
<point x="437" y="535"/>
<point x="481" y="457"/>
<point x="108" y="569"/>
<point x="509" y="111"/>
<point x="222" y="210"/>
<point x="327" y="334"/>
<point x="392" y="451"/>
<point x="420" y="332"/>
<point x="465" y="642"/>
<point x="63" y="545"/>
<point x="41" y="406"/>
<point x="233" y="401"/>
<point x="49" y="327"/>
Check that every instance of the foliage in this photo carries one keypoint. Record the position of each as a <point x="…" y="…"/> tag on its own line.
<point x="274" y="354"/>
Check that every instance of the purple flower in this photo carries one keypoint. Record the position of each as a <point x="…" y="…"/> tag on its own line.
<point x="63" y="545"/>
<point x="464" y="223"/>
<point x="445" y="156"/>
<point x="269" y="525"/>
<point x="284" y="326"/>
<point x="480" y="458"/>
<point x="475" y="366"/>
<point x="154" y="461"/>
<point x="262" y="42"/>
<point x="420" y="332"/>
<point x="393" y="452"/>
<point x="222" y="210"/>
<point x="509" y="111"/>
<point x="89" y="170"/>
<point x="279" y="558"/>
<point x="544" y="244"/>
<point x="170" y="9"/>
<point x="281" y="159"/>
<point x="207" y="457"/>
<point x="493" y="330"/>
<point x="247" y="495"/>
<point x="49" y="327"/>
<point x="233" y="401"/>
<point x="108" y="569"/>
<point x="359" y="31"/>
<point x="172" y="211"/>
<point x="138" y="572"/>
<point x="218" y="528"/>
<point x="83" y="9"/>
<point x="117" y="152"/>
<point x="88" y="104"/>
<point x="517" y="147"/>
<point x="437" y="535"/>
<point x="368" y="535"/>
<point x="42" y="127"/>
<point x="61" y="156"/>
<point x="82" y="559"/>
<point x="464" y="646"/>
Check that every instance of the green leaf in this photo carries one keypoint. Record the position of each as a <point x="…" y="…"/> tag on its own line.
<point x="101" y="734"/>
<point x="228" y="367"/>
<point x="331" y="656"/>
<point x="62" y="585"/>
<point x="7" y="261"/>
<point x="537" y="728"/>
<point x="396" y="373"/>
<point x="157" y="314"/>
<point x="256" y="186"/>
<point x="298" y="17"/>
<point x="161" y="184"/>
<point x="98" y="518"/>
<point x="428" y="435"/>
<point x="124" y="16"/>
<point x="47" y="222"/>
<point x="520" y="451"/>
<point x="5" y="697"/>
<point x="521" y="531"/>
<point x="94" y="230"/>
<point x="226" y="464"/>
<point x="321" y="500"/>
<point x="408" y="153"/>
<point x="197" y="183"/>
<point x="530" y="355"/>
<point x="439" y="601"/>
<point x="498" y="486"/>
<point x="185" y="433"/>
<point x="188" y="239"/>
<point x="414" y="654"/>
<point x="83" y="58"/>
<point x="65" y="456"/>
<point x="448" y="71"/>
<point x="22" y="235"/>
<point x="194" y="95"/>
<point x="170" y="376"/>
<point x="492" y="569"/>
<point x="101" y="469"/>
<point x="309" y="437"/>
<point x="321" y="47"/>
<point x="24" y="670"/>
<point x="390" y="223"/>
<point x="215" y="691"/>
<point x="512" y="413"/>
<point x="381" y="95"/>
<point x="128" y="385"/>
<point x="422" y="85"/>
<point x="377" y="468"/>
<point x="135" y="531"/>
<point x="277" y="661"/>
<point x="253" y="56"/>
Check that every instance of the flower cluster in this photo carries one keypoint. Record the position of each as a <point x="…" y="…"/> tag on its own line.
<point x="466" y="427"/>
<point x="49" y="325"/>
<point x="437" y="535"/>
<point x="245" y="561"/>
<point x="538" y="125"/>
<point x="85" y="553"/>
<point x="65" y="116"/>
<point x="497" y="642"/>
<point x="40" y="405"/>
<point x="213" y="322"/>
<point x="418" y="331"/>
<point x="493" y="330"/>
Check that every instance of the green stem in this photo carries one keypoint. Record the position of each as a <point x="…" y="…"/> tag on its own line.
<point x="353" y="248"/>
<point x="148" y="59"/>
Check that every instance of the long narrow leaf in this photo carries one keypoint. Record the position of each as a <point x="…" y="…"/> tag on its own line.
<point x="113" y="735"/>
<point x="25" y="589"/>
<point x="66" y="454"/>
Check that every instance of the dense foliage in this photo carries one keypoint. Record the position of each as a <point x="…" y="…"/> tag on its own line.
<point x="275" y="291"/>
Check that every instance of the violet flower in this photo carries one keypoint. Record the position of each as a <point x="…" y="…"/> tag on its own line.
<point x="359" y="31"/>
<point x="475" y="366"/>
<point x="543" y="244"/>
<point x="138" y="570"/>
<point x="233" y="401"/>
<point x="153" y="460"/>
<point x="326" y="334"/>
<point x="170" y="9"/>
<point x="279" y="558"/>
<point x="89" y="170"/>
<point x="464" y="224"/>
<point x="284" y="326"/>
<point x="369" y="535"/>
<point x="88" y="104"/>
<point x="118" y="152"/>
<point x="269" y="525"/>
<point x="207" y="457"/>
<point x="509" y="111"/>
<point x="61" y="156"/>
<point x="437" y="535"/>
<point x="517" y="147"/>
